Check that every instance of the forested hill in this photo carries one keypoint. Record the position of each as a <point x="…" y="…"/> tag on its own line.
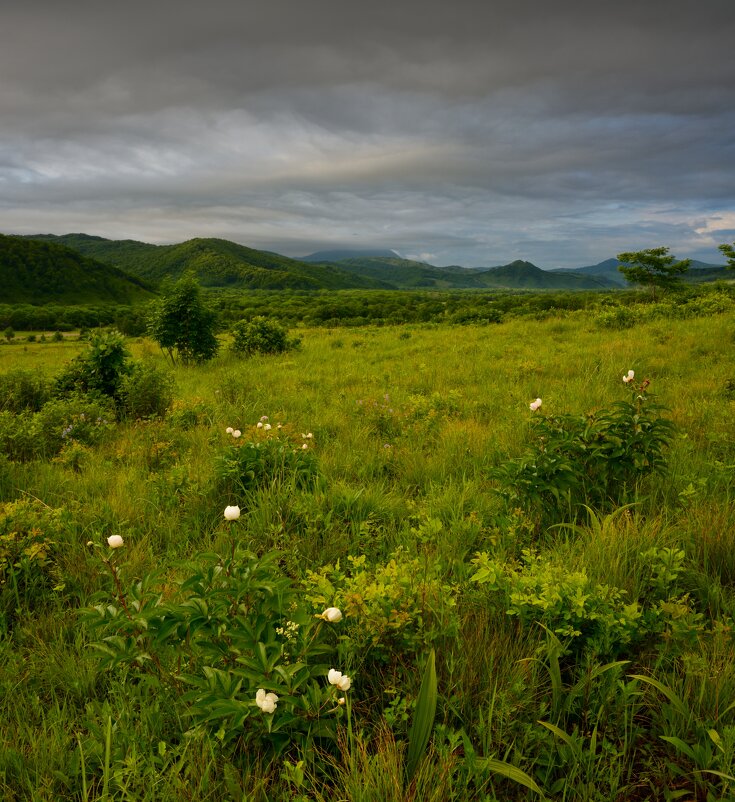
<point x="216" y="263"/>
<point x="39" y="272"/>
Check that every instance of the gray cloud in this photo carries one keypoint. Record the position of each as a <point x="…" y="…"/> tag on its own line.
<point x="473" y="131"/>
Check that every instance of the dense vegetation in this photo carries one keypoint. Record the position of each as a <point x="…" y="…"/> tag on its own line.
<point x="395" y="516"/>
<point x="38" y="272"/>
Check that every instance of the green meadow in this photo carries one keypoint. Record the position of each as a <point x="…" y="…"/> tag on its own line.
<point x="507" y="635"/>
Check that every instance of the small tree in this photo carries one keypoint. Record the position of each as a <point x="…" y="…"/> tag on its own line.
<point x="182" y="324"/>
<point x="653" y="267"/>
<point x="729" y="253"/>
<point x="9" y="334"/>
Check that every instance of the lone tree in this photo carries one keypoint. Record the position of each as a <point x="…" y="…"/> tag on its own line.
<point x="182" y="324"/>
<point x="653" y="267"/>
<point x="729" y="252"/>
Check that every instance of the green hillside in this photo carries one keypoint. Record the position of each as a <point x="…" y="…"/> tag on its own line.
<point x="39" y="272"/>
<point x="216" y="263"/>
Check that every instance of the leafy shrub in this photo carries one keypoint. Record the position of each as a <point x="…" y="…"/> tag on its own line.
<point x="567" y="602"/>
<point x="596" y="459"/>
<point x="395" y="611"/>
<point x="28" y="570"/>
<point x="617" y="317"/>
<point x="78" y="418"/>
<point x="145" y="392"/>
<point x="23" y="390"/>
<point x="99" y="370"/>
<point x="274" y="459"/>
<point x="232" y="631"/>
<point x="18" y="440"/>
<point x="261" y="336"/>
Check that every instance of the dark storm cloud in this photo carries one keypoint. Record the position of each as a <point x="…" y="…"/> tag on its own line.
<point x="473" y="132"/>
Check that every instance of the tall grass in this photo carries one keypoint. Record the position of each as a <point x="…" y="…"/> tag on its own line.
<point x="406" y="431"/>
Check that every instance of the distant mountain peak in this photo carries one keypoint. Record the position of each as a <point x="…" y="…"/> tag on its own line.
<point x="338" y="254"/>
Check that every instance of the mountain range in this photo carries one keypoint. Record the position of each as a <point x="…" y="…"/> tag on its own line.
<point x="79" y="268"/>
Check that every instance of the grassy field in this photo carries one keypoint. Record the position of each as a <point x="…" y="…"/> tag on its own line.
<point x="579" y="656"/>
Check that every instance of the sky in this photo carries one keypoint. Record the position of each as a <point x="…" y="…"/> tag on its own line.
<point x="471" y="132"/>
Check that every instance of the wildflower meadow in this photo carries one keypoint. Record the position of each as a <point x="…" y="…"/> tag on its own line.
<point x="432" y="563"/>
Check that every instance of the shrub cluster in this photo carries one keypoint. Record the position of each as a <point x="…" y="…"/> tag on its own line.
<point x="597" y="459"/>
<point x="261" y="336"/>
<point x="40" y="417"/>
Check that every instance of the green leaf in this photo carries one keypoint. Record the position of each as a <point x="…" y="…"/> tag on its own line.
<point x="510" y="772"/>
<point x="423" y="721"/>
<point x="676" y="702"/>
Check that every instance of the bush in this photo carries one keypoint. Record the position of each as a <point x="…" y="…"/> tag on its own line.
<point x="596" y="459"/>
<point x="395" y="611"/>
<point x="618" y="317"/>
<point x="261" y="336"/>
<point x="567" y="602"/>
<point x="99" y="370"/>
<point x="18" y="441"/>
<point x="28" y="570"/>
<point x="145" y="392"/>
<point x="272" y="460"/>
<point x="233" y="631"/>
<point x="78" y="418"/>
<point x="22" y="390"/>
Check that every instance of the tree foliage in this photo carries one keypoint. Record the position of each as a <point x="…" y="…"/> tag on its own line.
<point x="653" y="267"/>
<point x="182" y="323"/>
<point x="729" y="253"/>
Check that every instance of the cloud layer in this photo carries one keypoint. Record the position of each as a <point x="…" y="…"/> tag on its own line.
<point x="473" y="132"/>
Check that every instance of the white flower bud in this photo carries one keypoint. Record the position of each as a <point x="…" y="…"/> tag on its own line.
<point x="114" y="541"/>
<point x="232" y="513"/>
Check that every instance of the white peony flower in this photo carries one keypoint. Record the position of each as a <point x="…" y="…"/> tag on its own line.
<point x="629" y="377"/>
<point x="237" y="433"/>
<point x="267" y="427"/>
<point x="332" y="614"/>
<point x="114" y="541"/>
<point x="534" y="405"/>
<point x="337" y="678"/>
<point x="259" y="424"/>
<point x="232" y="513"/>
<point x="265" y="701"/>
<point x="229" y="430"/>
<point x="305" y="446"/>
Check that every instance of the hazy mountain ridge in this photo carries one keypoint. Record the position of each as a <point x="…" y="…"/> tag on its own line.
<point x="406" y="274"/>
